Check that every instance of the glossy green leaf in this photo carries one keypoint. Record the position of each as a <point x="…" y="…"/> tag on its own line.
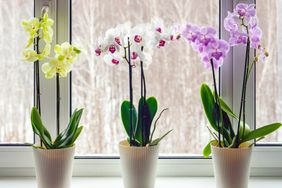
<point x="71" y="130"/>
<point x="77" y="133"/>
<point x="125" y="116"/>
<point x="153" y="107"/>
<point x="207" y="148"/>
<point x="208" y="104"/>
<point x="39" y="129"/>
<point x="227" y="109"/>
<point x="261" y="132"/>
<point x="143" y="124"/>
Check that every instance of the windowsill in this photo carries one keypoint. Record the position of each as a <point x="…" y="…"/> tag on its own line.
<point x="163" y="182"/>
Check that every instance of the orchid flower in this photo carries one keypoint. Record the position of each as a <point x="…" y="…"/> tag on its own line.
<point x="242" y="25"/>
<point x="143" y="38"/>
<point x="31" y="27"/>
<point x="38" y="29"/>
<point x="47" y="31"/>
<point x="65" y="54"/>
<point x="204" y="40"/>
<point x="29" y="55"/>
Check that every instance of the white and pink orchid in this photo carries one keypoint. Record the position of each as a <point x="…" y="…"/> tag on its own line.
<point x="142" y="38"/>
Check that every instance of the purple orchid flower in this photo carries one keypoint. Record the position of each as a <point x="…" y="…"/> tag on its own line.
<point x="245" y="10"/>
<point x="204" y="40"/>
<point x="242" y="24"/>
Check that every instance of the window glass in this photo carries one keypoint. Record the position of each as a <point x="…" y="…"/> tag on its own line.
<point x="16" y="77"/>
<point x="269" y="73"/>
<point x="174" y="77"/>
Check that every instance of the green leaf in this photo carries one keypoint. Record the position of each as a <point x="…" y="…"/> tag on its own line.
<point x="65" y="138"/>
<point x="157" y="141"/>
<point x="227" y="109"/>
<point x="146" y="112"/>
<point x="208" y="104"/>
<point x="261" y="132"/>
<point x="39" y="129"/>
<point x="207" y="148"/>
<point x="77" y="133"/>
<point x="125" y="116"/>
<point x="143" y="121"/>
<point x="153" y="107"/>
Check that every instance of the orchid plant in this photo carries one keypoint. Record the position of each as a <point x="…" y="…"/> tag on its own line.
<point x="58" y="66"/>
<point x="134" y="47"/>
<point x="242" y="24"/>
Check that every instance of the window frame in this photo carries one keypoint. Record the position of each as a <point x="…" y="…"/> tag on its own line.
<point x="18" y="160"/>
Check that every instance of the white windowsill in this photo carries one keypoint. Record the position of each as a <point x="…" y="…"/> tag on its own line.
<point x="163" y="182"/>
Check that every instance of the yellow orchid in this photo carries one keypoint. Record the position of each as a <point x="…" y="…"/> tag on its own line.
<point x="56" y="66"/>
<point x="66" y="52"/>
<point x="45" y="53"/>
<point x="41" y="28"/>
<point x="46" y="25"/>
<point x="29" y="55"/>
<point x="31" y="26"/>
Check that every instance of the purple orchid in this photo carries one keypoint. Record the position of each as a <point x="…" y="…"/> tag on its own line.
<point x="191" y="33"/>
<point x="242" y="25"/>
<point x="245" y="10"/>
<point x="230" y="23"/>
<point x="216" y="51"/>
<point x="255" y="37"/>
<point x="237" y="38"/>
<point x="204" y="40"/>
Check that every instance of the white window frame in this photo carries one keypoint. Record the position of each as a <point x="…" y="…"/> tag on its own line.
<point x="18" y="160"/>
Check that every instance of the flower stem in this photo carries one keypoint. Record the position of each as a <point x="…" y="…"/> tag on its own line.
<point x="58" y="98"/>
<point x="243" y="95"/>
<point x="130" y="95"/>
<point x="218" y="103"/>
<point x="143" y="95"/>
<point x="244" y="103"/>
<point x="37" y="81"/>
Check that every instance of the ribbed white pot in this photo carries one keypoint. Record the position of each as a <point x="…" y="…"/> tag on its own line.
<point x="138" y="165"/>
<point x="231" y="166"/>
<point x="53" y="167"/>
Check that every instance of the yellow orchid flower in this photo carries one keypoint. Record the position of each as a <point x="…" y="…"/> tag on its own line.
<point x="45" y="52"/>
<point x="66" y="52"/>
<point x="56" y="66"/>
<point x="31" y="26"/>
<point x="29" y="55"/>
<point x="46" y="25"/>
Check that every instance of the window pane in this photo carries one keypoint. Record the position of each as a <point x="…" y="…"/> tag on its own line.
<point x="16" y="77"/>
<point x="269" y="74"/>
<point x="174" y="77"/>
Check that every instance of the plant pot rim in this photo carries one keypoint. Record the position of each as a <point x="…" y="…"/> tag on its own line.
<point x="231" y="149"/>
<point x="125" y="144"/>
<point x="35" y="147"/>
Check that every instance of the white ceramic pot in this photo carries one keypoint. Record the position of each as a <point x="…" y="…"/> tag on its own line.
<point x="138" y="165"/>
<point x="231" y="166"/>
<point x="53" y="167"/>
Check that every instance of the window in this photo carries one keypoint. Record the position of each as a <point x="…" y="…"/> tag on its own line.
<point x="269" y="74"/>
<point x="16" y="77"/>
<point x="101" y="88"/>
